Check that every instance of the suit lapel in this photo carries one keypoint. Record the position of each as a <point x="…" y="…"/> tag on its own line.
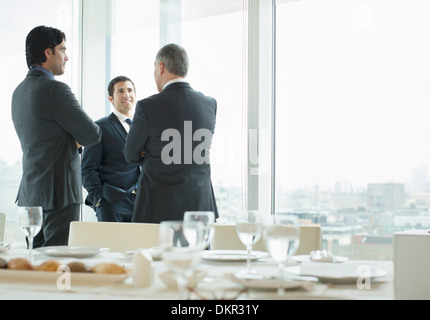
<point x="118" y="126"/>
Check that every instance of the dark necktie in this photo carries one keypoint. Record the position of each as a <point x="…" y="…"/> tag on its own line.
<point x="128" y="121"/>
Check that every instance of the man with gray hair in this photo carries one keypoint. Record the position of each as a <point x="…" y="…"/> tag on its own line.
<point x="174" y="128"/>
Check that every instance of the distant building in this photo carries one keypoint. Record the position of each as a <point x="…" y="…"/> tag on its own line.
<point x="385" y="197"/>
<point x="368" y="247"/>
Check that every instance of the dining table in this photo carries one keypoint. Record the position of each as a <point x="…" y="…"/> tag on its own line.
<point x="215" y="279"/>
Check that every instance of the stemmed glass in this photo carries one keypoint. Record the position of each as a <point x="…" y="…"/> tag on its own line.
<point x="249" y="229"/>
<point x="30" y="222"/>
<point x="208" y="220"/>
<point x="180" y="246"/>
<point x="281" y="235"/>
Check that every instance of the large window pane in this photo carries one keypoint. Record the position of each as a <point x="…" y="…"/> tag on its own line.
<point x="17" y="19"/>
<point x="352" y="100"/>
<point x="213" y="33"/>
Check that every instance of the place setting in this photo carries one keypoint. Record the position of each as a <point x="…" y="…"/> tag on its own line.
<point x="281" y="237"/>
<point x="334" y="269"/>
<point x="47" y="264"/>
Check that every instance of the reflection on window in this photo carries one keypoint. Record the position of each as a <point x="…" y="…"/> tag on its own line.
<point x="352" y="130"/>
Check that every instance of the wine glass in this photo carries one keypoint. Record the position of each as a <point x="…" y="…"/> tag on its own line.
<point x="281" y="235"/>
<point x="30" y="222"/>
<point x="180" y="246"/>
<point x="249" y="228"/>
<point x="208" y="220"/>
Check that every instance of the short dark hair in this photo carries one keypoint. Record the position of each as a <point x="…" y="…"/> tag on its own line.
<point x="175" y="59"/>
<point x="38" y="40"/>
<point x="114" y="81"/>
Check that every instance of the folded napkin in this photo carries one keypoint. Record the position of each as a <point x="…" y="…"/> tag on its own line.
<point x="143" y="269"/>
<point x="5" y="248"/>
<point x="335" y="270"/>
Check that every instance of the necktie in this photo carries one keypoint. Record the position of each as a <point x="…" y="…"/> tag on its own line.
<point x="128" y="121"/>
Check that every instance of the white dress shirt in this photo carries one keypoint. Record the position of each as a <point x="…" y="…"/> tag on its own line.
<point x="121" y="117"/>
<point x="174" y="81"/>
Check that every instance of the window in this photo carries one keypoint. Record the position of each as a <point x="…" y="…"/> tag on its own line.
<point x="16" y="24"/>
<point x="352" y="100"/>
<point x="214" y="35"/>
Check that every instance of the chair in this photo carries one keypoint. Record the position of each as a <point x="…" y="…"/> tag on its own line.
<point x="118" y="237"/>
<point x="225" y="238"/>
<point x="2" y="225"/>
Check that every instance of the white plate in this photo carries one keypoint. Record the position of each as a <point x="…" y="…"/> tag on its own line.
<point x="232" y="255"/>
<point x="71" y="252"/>
<point x="267" y="284"/>
<point x="336" y="273"/>
<point x="307" y="258"/>
<point x="75" y="277"/>
<point x="154" y="252"/>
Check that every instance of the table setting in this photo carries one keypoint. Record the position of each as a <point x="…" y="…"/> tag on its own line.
<point x="183" y="267"/>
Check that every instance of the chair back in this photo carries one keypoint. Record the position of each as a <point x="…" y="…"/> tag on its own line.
<point x="226" y="238"/>
<point x="2" y="225"/>
<point x="118" y="237"/>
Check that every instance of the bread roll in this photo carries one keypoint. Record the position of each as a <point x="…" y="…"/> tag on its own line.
<point x="108" y="268"/>
<point x="49" y="266"/>
<point x="78" y="267"/>
<point x="3" y="263"/>
<point x="19" y="264"/>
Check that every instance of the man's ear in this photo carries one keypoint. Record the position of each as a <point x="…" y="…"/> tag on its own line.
<point x="161" y="67"/>
<point x="48" y="53"/>
<point x="110" y="99"/>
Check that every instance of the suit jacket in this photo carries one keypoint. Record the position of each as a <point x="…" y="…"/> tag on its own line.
<point x="105" y="173"/>
<point x="48" y="119"/>
<point x="168" y="190"/>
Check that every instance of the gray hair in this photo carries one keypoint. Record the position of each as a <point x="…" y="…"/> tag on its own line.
<point x="175" y="59"/>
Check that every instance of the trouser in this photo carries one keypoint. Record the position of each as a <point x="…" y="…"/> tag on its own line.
<point x="119" y="211"/>
<point x="56" y="226"/>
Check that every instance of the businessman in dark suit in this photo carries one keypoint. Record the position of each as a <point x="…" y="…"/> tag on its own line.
<point x="175" y="129"/>
<point x="111" y="182"/>
<point x="51" y="126"/>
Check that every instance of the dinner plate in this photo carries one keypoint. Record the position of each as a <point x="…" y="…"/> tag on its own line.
<point x="232" y="255"/>
<point x="154" y="252"/>
<point x="307" y="258"/>
<point x="266" y="283"/>
<point x="71" y="252"/>
<point x="337" y="273"/>
<point x="75" y="278"/>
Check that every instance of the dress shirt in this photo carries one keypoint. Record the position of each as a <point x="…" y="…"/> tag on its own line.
<point x="122" y="119"/>
<point x="174" y="81"/>
<point x="46" y="71"/>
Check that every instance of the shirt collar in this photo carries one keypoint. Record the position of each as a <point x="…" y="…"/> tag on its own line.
<point x="173" y="81"/>
<point x="121" y="117"/>
<point x="45" y="71"/>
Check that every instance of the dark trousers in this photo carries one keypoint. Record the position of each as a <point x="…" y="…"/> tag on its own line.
<point x="118" y="211"/>
<point x="56" y="226"/>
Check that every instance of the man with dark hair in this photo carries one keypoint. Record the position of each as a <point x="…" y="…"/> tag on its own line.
<point x="175" y="129"/>
<point x="52" y="127"/>
<point x="111" y="182"/>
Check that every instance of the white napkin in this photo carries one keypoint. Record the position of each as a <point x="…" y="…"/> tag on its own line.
<point x="143" y="269"/>
<point x="4" y="248"/>
<point x="332" y="270"/>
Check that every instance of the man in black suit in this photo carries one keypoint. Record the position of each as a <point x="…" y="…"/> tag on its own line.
<point x="111" y="182"/>
<point x="51" y="126"/>
<point x="175" y="129"/>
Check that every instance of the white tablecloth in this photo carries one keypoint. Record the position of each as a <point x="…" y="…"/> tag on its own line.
<point x="214" y="286"/>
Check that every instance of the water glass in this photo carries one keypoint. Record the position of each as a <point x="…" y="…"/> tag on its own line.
<point x="30" y="222"/>
<point x="281" y="235"/>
